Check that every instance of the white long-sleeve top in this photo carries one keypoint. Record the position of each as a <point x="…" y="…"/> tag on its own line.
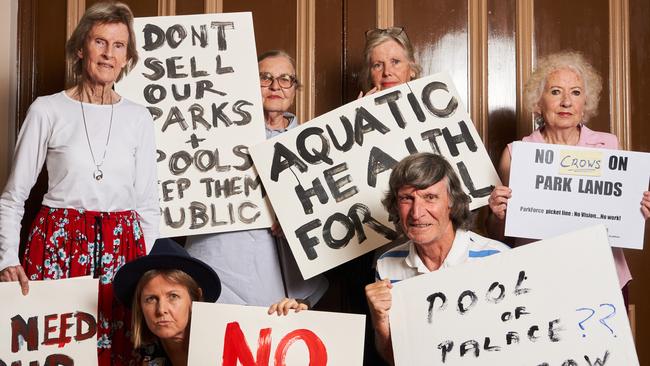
<point x="53" y="132"/>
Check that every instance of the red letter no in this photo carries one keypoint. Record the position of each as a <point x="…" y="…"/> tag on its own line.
<point x="317" y="351"/>
<point x="235" y="347"/>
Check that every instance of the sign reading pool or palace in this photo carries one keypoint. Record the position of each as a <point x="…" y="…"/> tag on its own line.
<point x="327" y="177"/>
<point x="551" y="303"/>
<point x="558" y="188"/>
<point x="198" y="77"/>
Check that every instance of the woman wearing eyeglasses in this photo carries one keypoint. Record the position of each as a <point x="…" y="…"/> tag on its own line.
<point x="256" y="267"/>
<point x="389" y="60"/>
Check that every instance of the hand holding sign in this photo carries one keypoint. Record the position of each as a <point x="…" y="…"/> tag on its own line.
<point x="16" y="273"/>
<point x="498" y="201"/>
<point x="380" y="301"/>
<point x="645" y="205"/>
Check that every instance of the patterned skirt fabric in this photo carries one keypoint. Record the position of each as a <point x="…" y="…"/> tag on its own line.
<point x="66" y="243"/>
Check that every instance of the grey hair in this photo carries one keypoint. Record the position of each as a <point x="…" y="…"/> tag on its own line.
<point x="570" y="60"/>
<point x="374" y="39"/>
<point x="104" y="12"/>
<point x="280" y="53"/>
<point x="422" y="170"/>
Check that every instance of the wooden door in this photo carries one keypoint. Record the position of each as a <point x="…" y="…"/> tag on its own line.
<point x="489" y="47"/>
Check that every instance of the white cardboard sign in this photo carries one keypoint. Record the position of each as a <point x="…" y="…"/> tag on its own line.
<point x="231" y="335"/>
<point x="198" y="76"/>
<point x="554" y="302"/>
<point x="55" y="324"/>
<point x="557" y="188"/>
<point x="326" y="178"/>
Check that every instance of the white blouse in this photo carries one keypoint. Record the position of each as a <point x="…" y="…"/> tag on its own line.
<point x="53" y="132"/>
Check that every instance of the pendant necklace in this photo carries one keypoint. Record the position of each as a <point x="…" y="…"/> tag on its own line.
<point x="98" y="174"/>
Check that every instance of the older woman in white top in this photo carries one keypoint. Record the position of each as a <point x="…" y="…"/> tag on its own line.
<point x="101" y="206"/>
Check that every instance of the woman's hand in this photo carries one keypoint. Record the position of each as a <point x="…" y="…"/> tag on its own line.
<point x="15" y="273"/>
<point x="283" y="306"/>
<point x="276" y="230"/>
<point x="371" y="91"/>
<point x="645" y="205"/>
<point x="498" y="201"/>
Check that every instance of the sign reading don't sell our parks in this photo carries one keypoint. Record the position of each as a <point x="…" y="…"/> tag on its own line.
<point x="198" y="77"/>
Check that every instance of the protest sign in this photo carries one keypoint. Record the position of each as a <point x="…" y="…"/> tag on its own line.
<point x="198" y="77"/>
<point x="231" y="335"/>
<point x="545" y="303"/>
<point x="55" y="324"/>
<point x="326" y="178"/>
<point x="557" y="188"/>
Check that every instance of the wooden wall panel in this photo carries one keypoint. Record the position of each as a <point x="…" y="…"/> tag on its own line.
<point x="41" y="51"/>
<point x="359" y="16"/>
<point x="328" y="55"/>
<point x="184" y="7"/>
<point x="438" y="31"/>
<point x="502" y="77"/>
<point x="41" y="40"/>
<point x="581" y="25"/>
<point x="640" y="138"/>
<point x="140" y="8"/>
<point x="639" y="73"/>
<point x="274" y="22"/>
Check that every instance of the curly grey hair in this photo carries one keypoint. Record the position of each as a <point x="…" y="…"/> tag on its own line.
<point x="573" y="61"/>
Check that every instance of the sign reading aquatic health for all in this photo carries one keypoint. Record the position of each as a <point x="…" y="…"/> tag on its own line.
<point x="198" y="77"/>
<point x="554" y="302"/>
<point x="326" y="178"/>
<point x="231" y="335"/>
<point x="558" y="188"/>
<point x="55" y="324"/>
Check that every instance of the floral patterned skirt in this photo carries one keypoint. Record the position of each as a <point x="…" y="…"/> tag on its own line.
<point x="66" y="243"/>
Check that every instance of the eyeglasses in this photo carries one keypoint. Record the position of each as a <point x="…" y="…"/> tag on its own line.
<point x="285" y="81"/>
<point x="393" y="31"/>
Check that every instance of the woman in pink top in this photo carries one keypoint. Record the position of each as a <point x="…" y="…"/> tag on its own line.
<point x="563" y="93"/>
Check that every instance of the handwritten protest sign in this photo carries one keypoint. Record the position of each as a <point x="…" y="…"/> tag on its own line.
<point x="326" y="178"/>
<point x="198" y="76"/>
<point x="55" y="324"/>
<point x="557" y="188"/>
<point x="231" y="335"/>
<point x="546" y="303"/>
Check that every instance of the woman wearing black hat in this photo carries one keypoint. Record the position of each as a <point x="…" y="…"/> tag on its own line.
<point x="160" y="289"/>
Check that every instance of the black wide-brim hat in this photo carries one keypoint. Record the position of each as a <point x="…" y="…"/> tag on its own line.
<point x="165" y="254"/>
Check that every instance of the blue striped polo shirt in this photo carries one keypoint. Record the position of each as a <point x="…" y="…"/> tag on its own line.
<point x="403" y="261"/>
